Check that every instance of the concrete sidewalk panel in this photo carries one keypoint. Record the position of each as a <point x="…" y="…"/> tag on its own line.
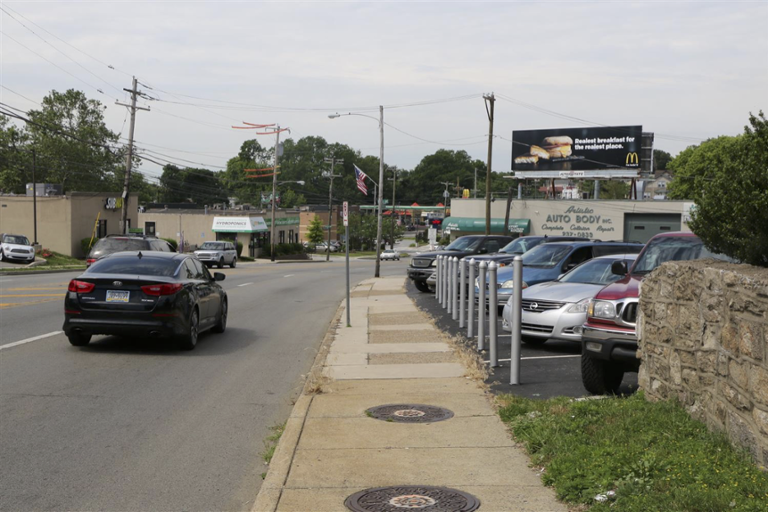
<point x="412" y="358"/>
<point x="420" y="336"/>
<point x="389" y="348"/>
<point x="404" y="386"/>
<point x="396" y="371"/>
<point x="354" y="406"/>
<point x="367" y="433"/>
<point x="376" y="308"/>
<point x="396" y="318"/>
<point x="403" y="327"/>
<point x="346" y="359"/>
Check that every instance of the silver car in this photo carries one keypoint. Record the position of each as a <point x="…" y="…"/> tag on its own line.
<point x="558" y="309"/>
<point x="217" y="253"/>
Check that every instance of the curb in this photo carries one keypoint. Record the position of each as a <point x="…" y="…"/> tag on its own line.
<point x="33" y="272"/>
<point x="272" y="488"/>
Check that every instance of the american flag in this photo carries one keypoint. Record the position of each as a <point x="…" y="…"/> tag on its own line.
<point x="360" y="175"/>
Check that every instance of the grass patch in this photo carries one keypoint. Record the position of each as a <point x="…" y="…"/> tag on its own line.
<point x="270" y="443"/>
<point x="634" y="456"/>
<point x="58" y="260"/>
<point x="245" y="258"/>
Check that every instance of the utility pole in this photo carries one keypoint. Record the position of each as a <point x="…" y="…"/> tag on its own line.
<point x="34" y="194"/>
<point x="332" y="161"/>
<point x="506" y="214"/>
<point x="446" y="195"/>
<point x="274" y="191"/>
<point x="489" y="99"/>
<point x="129" y="162"/>
<point x="377" y="273"/>
<point x="475" y="187"/>
<point x="394" y="183"/>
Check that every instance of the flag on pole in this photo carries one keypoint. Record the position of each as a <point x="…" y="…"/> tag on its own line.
<point x="361" y="176"/>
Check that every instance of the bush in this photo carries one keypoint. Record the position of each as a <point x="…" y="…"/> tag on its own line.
<point x="174" y="243"/>
<point x="239" y="249"/>
<point x="282" y="250"/>
<point x="85" y="244"/>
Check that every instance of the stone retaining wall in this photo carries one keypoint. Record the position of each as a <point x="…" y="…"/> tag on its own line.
<point x="703" y="330"/>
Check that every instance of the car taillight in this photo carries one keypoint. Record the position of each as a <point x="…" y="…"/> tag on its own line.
<point x="80" y="286"/>
<point x="161" y="289"/>
<point x="89" y="261"/>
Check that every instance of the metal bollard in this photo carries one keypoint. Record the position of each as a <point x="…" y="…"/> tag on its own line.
<point x="451" y="282"/>
<point x="442" y="280"/>
<point x="462" y="291"/>
<point x="455" y="289"/>
<point x="437" y="276"/>
<point x="481" y="308"/>
<point x="493" y="314"/>
<point x="515" y="321"/>
<point x="446" y="276"/>
<point x="471" y="300"/>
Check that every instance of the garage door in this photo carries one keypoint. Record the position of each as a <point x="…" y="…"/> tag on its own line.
<point x="641" y="227"/>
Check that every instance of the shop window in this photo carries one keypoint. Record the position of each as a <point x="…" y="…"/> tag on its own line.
<point x="149" y="228"/>
<point x="102" y="230"/>
<point x="290" y="236"/>
<point x="282" y="237"/>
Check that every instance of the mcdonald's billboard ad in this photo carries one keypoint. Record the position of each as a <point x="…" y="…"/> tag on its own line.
<point x="577" y="149"/>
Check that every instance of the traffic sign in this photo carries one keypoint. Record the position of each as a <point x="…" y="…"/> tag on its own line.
<point x="345" y="213"/>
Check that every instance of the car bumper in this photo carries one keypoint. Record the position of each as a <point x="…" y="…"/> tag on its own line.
<point x="554" y="324"/>
<point x="420" y="274"/>
<point x="501" y="298"/>
<point x="147" y="328"/>
<point x="610" y="345"/>
<point x="19" y="256"/>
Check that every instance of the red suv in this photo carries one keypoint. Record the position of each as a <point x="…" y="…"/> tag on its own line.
<point x="609" y="341"/>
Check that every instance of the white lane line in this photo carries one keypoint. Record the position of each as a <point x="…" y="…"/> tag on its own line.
<point x="244" y="284"/>
<point x="539" y="357"/>
<point x="35" y="338"/>
<point x="289" y="275"/>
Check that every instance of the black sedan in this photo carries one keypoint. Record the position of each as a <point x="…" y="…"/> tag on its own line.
<point x="145" y="293"/>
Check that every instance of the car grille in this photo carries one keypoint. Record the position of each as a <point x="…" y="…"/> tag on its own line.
<point x="541" y="305"/>
<point x="629" y="314"/>
<point x="421" y="262"/>
<point x="21" y="251"/>
<point x="536" y="328"/>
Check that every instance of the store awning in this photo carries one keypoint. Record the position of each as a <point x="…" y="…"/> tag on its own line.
<point x="239" y="225"/>
<point x="477" y="225"/>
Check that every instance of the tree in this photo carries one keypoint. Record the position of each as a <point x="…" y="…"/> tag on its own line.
<point x="728" y="178"/>
<point x="198" y="186"/>
<point x="315" y="232"/>
<point x="661" y="160"/>
<point x="235" y="180"/>
<point x="697" y="165"/>
<point x="15" y="160"/>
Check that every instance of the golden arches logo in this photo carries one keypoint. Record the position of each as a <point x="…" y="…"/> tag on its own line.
<point x="633" y="159"/>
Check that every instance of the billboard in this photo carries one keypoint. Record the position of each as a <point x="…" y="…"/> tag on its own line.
<point x="571" y="151"/>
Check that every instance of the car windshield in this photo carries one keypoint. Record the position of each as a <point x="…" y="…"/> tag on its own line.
<point x="671" y="248"/>
<point x="597" y="271"/>
<point x="146" y="266"/>
<point x="545" y="255"/>
<point x="212" y="246"/>
<point x="15" y="239"/>
<point x="464" y="243"/>
<point x="120" y="244"/>
<point x="520" y="245"/>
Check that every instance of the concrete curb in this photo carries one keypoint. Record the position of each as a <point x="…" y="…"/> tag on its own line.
<point x="34" y="272"/>
<point x="280" y="465"/>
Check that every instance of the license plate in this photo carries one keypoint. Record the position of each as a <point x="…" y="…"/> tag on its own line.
<point x="117" y="296"/>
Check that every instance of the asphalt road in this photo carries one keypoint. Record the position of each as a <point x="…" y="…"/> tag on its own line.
<point x="136" y="424"/>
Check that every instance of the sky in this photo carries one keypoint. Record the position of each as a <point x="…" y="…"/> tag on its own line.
<point x="686" y="70"/>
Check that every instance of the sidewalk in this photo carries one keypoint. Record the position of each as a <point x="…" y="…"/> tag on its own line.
<point x="334" y="447"/>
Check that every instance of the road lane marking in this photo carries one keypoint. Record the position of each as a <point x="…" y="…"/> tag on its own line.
<point x="4" y="296"/>
<point x="62" y="287"/>
<point x="539" y="357"/>
<point x="35" y="338"/>
<point x="5" y="305"/>
<point x="289" y="275"/>
<point x="244" y="284"/>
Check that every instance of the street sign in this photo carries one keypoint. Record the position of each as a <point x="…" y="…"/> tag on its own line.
<point x="345" y="213"/>
<point x="446" y="194"/>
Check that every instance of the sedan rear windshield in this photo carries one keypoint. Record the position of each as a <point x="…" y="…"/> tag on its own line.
<point x="145" y="266"/>
<point x="545" y="255"/>
<point x="15" y="239"/>
<point x="670" y="248"/>
<point x="120" y="244"/>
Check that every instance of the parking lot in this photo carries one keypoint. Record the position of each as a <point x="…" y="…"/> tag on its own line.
<point x="548" y="370"/>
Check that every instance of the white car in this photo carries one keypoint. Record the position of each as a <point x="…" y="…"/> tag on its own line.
<point x="16" y="247"/>
<point x="390" y="254"/>
<point x="217" y="253"/>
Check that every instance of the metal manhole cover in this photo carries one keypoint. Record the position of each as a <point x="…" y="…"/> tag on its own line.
<point x="412" y="497"/>
<point x="409" y="413"/>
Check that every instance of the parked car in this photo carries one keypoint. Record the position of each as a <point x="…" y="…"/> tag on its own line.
<point x="522" y="245"/>
<point x="390" y="254"/>
<point x="609" y="339"/>
<point x="423" y="265"/>
<point x="323" y="247"/>
<point x="150" y="294"/>
<point x="548" y="261"/>
<point x="119" y="243"/>
<point x="218" y="253"/>
<point x="557" y="309"/>
<point x="16" y="247"/>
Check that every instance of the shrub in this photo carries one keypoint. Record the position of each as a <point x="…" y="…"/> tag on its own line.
<point x="239" y="249"/>
<point x="174" y="243"/>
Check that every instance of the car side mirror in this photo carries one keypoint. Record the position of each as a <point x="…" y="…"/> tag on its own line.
<point x="619" y="268"/>
<point x="218" y="276"/>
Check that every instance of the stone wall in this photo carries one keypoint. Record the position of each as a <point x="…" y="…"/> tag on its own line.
<point x="703" y="329"/>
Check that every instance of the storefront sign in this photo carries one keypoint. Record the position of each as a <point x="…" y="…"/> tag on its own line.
<point x="113" y="203"/>
<point x="578" y="221"/>
<point x="345" y="213"/>
<point x="284" y="221"/>
<point x="565" y="150"/>
<point x="238" y="225"/>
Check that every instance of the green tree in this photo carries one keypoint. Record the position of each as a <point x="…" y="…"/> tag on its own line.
<point x="198" y="186"/>
<point x="695" y="166"/>
<point x="728" y="178"/>
<point x="15" y="160"/>
<point x="315" y="232"/>
<point x="661" y="160"/>
<point x="235" y="180"/>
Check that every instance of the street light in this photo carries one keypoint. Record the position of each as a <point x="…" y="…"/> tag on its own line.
<point x="380" y="120"/>
<point x="275" y="183"/>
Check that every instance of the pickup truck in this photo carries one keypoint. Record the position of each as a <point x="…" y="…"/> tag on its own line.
<point x="609" y="338"/>
<point x="422" y="265"/>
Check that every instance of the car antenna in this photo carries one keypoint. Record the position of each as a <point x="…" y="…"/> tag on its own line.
<point x="139" y="255"/>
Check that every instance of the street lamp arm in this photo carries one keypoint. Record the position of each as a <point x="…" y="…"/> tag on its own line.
<point x="336" y="115"/>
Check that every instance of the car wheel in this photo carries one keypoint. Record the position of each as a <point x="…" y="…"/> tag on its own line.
<point x="599" y="377"/>
<point x="234" y="263"/>
<point x="221" y="263"/>
<point x="532" y="340"/>
<point x="189" y="340"/>
<point x="422" y="286"/>
<point x="222" y="325"/>
<point x="79" y="339"/>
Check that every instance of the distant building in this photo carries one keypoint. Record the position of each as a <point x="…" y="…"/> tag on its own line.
<point x="657" y="189"/>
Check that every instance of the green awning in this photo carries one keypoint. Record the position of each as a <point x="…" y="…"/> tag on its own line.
<point x="477" y="225"/>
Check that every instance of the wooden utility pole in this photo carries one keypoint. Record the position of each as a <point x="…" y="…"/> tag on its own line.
<point x="129" y="159"/>
<point x="394" y="184"/>
<point x="506" y="214"/>
<point x="332" y="161"/>
<point x="490" y="99"/>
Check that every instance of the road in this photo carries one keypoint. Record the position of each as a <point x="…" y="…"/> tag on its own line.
<point x="138" y="425"/>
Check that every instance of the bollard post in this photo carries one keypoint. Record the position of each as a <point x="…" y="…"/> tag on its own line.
<point x="437" y="278"/>
<point x="445" y="282"/>
<point x="455" y="289"/>
<point x="442" y="280"/>
<point x="515" y="321"/>
<point x="481" y="308"/>
<point x="451" y="282"/>
<point x="493" y="314"/>
<point x="462" y="291"/>
<point x="471" y="300"/>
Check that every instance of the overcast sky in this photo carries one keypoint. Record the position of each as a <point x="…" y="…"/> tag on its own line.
<point x="684" y="70"/>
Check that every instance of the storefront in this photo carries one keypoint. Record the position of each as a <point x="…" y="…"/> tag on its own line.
<point x="459" y="226"/>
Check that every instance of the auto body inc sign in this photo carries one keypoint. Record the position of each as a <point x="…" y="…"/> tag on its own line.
<point x="239" y="225"/>
<point x="571" y="150"/>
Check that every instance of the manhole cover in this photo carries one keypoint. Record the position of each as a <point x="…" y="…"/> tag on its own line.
<point x="412" y="497"/>
<point x="409" y="413"/>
